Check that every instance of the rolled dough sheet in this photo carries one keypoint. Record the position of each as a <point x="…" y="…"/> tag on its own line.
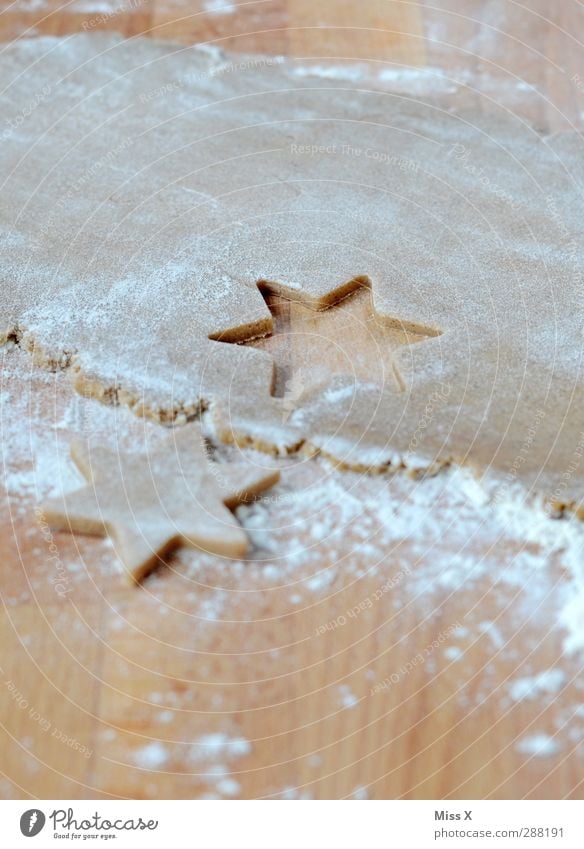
<point x="148" y="187"/>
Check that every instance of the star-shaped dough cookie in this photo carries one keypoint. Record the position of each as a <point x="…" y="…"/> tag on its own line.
<point x="152" y="502"/>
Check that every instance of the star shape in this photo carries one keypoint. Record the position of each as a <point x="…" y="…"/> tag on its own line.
<point x="310" y="339"/>
<point x="153" y="502"/>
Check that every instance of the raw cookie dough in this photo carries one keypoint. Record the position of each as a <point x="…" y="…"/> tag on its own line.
<point x="153" y="502"/>
<point x="151" y="186"/>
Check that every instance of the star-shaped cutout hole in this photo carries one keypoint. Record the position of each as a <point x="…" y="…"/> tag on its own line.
<point x="314" y="339"/>
<point x="153" y="502"/>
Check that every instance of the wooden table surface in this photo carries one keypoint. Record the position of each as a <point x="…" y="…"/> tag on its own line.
<point x="110" y="691"/>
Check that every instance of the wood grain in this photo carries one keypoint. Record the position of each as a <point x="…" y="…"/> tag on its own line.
<point x="90" y="679"/>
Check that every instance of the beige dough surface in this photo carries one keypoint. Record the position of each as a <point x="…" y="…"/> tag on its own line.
<point x="148" y="188"/>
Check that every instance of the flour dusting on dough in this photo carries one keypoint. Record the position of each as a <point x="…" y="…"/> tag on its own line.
<point x="166" y="182"/>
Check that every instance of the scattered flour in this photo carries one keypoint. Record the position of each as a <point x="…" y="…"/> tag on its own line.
<point x="538" y="745"/>
<point x="219" y="747"/>
<point x="219" y="7"/>
<point x="548" y="682"/>
<point x="33" y="6"/>
<point x="360" y="793"/>
<point x="453" y="653"/>
<point x="229" y="787"/>
<point x="102" y="7"/>
<point x="572" y="617"/>
<point x="348" y="698"/>
<point x="415" y="81"/>
<point x="209" y="756"/>
<point x="152" y="756"/>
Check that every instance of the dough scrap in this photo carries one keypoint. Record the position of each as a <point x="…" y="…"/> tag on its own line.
<point x="153" y="185"/>
<point x="155" y="501"/>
